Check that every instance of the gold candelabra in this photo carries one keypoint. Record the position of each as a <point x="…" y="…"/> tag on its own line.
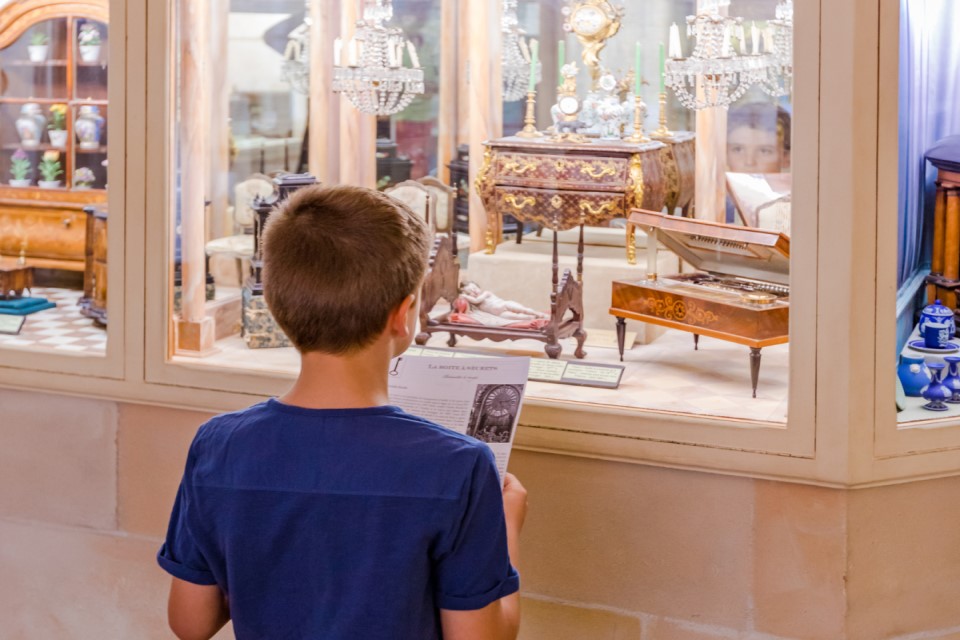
<point x="662" y="131"/>
<point x="638" y="136"/>
<point x="530" y="119"/>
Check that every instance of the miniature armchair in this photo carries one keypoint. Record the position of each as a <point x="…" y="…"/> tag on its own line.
<point x="444" y="202"/>
<point x="418" y="197"/>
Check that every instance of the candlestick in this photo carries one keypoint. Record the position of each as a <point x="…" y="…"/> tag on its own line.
<point x="662" y="131"/>
<point x="561" y="60"/>
<point x="663" y="69"/>
<point x="727" y="50"/>
<point x="414" y="59"/>
<point x="676" y="50"/>
<point x="534" y="51"/>
<point x="755" y="38"/>
<point x="524" y="49"/>
<point x="638" y="136"/>
<point x="352" y="52"/>
<point x="639" y="66"/>
<point x="530" y="119"/>
<point x="337" y="49"/>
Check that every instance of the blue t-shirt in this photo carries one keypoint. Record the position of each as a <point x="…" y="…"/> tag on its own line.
<point x="339" y="523"/>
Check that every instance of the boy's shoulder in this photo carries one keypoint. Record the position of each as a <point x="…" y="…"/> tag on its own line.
<point x="387" y="426"/>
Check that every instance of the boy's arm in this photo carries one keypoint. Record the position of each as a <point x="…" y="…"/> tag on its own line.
<point x="196" y="611"/>
<point x="499" y="620"/>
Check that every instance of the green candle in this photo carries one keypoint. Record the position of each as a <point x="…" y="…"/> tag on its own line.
<point x="639" y="67"/>
<point x="663" y="69"/>
<point x="534" y="51"/>
<point x="561" y="60"/>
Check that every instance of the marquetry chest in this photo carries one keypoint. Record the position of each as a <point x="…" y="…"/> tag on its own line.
<point x="561" y="185"/>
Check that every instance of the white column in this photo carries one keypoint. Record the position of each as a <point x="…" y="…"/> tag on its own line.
<point x="485" y="100"/>
<point x="324" y="143"/>
<point x="194" y="331"/>
<point x="711" y="163"/>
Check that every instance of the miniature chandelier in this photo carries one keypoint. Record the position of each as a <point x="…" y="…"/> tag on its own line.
<point x="516" y="56"/>
<point x="713" y="75"/>
<point x="778" y="79"/>
<point x="296" y="57"/>
<point x="373" y="77"/>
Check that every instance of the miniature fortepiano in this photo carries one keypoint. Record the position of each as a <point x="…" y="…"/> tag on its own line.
<point x="739" y="293"/>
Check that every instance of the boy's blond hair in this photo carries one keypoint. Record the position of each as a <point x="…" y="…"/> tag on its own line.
<point x="337" y="261"/>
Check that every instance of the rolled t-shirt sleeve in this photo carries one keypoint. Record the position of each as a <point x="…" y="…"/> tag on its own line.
<point x="180" y="555"/>
<point x="475" y="568"/>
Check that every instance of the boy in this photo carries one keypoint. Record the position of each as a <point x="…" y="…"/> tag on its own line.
<point x="327" y="513"/>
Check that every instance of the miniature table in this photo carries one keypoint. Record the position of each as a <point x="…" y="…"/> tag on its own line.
<point x="14" y="278"/>
<point x="562" y="185"/>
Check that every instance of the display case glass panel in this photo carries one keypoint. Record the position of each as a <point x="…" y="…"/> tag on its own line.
<point x="53" y="177"/>
<point x="649" y="217"/>
<point x="928" y="258"/>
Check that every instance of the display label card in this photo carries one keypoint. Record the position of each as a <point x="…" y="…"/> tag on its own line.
<point x="547" y="370"/>
<point x="11" y="325"/>
<point x="581" y="374"/>
<point x="593" y="375"/>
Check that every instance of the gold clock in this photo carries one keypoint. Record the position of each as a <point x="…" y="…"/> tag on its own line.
<point x="593" y="22"/>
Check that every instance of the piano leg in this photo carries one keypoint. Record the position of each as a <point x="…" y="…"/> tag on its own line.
<point x="621" y="335"/>
<point x="696" y="342"/>
<point x="754" y="368"/>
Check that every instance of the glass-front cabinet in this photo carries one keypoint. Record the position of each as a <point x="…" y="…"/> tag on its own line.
<point x="54" y="120"/>
<point x="611" y="185"/>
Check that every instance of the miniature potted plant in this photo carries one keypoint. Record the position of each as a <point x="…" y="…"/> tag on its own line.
<point x="89" y="41"/>
<point x="20" y="169"/>
<point x="58" y="126"/>
<point x="50" y="169"/>
<point x="39" y="46"/>
<point x="83" y="178"/>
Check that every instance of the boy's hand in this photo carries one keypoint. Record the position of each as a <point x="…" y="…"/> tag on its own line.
<point x="514" y="502"/>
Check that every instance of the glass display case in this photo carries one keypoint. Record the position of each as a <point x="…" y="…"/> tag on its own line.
<point x="574" y="180"/>
<point x="54" y="120"/>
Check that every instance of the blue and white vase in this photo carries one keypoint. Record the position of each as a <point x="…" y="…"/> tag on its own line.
<point x="88" y="126"/>
<point x="914" y="375"/>
<point x="936" y="312"/>
<point x="952" y="379"/>
<point x="936" y="392"/>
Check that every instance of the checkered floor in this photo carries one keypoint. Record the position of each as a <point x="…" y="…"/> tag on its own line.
<point x="59" y="330"/>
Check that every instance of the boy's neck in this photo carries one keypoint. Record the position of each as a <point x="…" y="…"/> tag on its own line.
<point x="352" y="381"/>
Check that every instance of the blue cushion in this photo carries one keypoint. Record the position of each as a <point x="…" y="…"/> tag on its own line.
<point x="24" y="306"/>
<point x="945" y="154"/>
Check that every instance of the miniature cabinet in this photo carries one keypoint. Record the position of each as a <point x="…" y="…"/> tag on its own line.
<point x="93" y="304"/>
<point x="53" y="115"/>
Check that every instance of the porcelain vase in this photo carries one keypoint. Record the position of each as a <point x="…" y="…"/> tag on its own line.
<point x="936" y="392"/>
<point x="88" y="127"/>
<point x="914" y="375"/>
<point x="30" y="125"/>
<point x="937" y="312"/>
<point x="952" y="378"/>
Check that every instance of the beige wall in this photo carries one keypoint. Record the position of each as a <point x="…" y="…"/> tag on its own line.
<point x="611" y="550"/>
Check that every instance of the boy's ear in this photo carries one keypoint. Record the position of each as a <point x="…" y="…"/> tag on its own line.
<point x="398" y="322"/>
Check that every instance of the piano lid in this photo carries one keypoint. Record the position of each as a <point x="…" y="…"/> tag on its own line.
<point x="724" y="249"/>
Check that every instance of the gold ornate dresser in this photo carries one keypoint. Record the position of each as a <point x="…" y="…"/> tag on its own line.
<point x="679" y="168"/>
<point x="561" y="185"/>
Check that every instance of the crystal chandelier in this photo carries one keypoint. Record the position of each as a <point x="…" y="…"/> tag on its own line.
<point x="372" y="75"/>
<point x="723" y="77"/>
<point x="778" y="80"/>
<point x="296" y="57"/>
<point x="715" y="75"/>
<point x="516" y="56"/>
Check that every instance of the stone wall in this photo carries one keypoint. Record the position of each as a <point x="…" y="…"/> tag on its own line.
<point x="610" y="550"/>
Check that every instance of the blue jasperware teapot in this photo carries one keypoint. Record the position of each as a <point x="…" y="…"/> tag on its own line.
<point x="936" y="312"/>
